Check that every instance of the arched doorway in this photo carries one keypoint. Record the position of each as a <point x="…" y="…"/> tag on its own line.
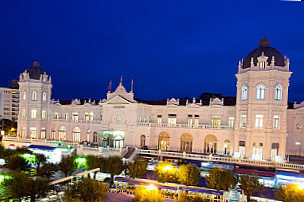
<point x="227" y="147"/>
<point x="76" y="134"/>
<point x="95" y="137"/>
<point x="164" y="141"/>
<point x="62" y="133"/>
<point x="88" y="135"/>
<point x="142" y="141"/>
<point x="186" y="142"/>
<point x="210" y="144"/>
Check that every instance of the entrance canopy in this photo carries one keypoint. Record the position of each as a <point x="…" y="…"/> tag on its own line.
<point x="111" y="138"/>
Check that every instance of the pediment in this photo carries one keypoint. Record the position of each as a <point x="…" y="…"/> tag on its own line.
<point x="118" y="100"/>
<point x="193" y="105"/>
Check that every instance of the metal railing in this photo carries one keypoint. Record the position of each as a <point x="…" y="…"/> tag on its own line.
<point x="227" y="127"/>
<point x="204" y="157"/>
<point x="79" y="121"/>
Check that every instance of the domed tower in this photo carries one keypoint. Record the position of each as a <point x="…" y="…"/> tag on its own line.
<point x="261" y="107"/>
<point x="35" y="96"/>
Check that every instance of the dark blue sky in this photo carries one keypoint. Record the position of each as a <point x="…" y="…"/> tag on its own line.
<point x="170" y="48"/>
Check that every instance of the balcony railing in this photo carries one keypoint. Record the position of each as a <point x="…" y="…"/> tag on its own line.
<point x="79" y="121"/>
<point x="184" y="126"/>
<point x="204" y="157"/>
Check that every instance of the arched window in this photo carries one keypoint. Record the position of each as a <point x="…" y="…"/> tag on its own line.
<point x="44" y="96"/>
<point x="186" y="142"/>
<point x="210" y="145"/>
<point x="142" y="141"/>
<point x="244" y="93"/>
<point x="43" y="133"/>
<point x="62" y="133"/>
<point x="24" y="95"/>
<point x="95" y="137"/>
<point x="278" y="92"/>
<point x="260" y="93"/>
<point x="164" y="141"/>
<point x="76" y="134"/>
<point x="34" y="95"/>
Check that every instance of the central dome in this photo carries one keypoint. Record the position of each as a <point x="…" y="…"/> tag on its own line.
<point x="264" y="46"/>
<point x="35" y="71"/>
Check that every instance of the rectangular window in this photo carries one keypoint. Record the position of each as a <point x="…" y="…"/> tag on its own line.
<point x="33" y="131"/>
<point x="190" y="120"/>
<point x="43" y="133"/>
<point x="299" y="126"/>
<point x="243" y="120"/>
<point x="196" y="120"/>
<point x="231" y="122"/>
<point x="66" y="116"/>
<point x="101" y="116"/>
<point x="23" y="114"/>
<point x="86" y="116"/>
<point x="215" y="120"/>
<point x="56" y="115"/>
<point x="172" y="119"/>
<point x="159" y="120"/>
<point x="276" y="122"/>
<point x="33" y="113"/>
<point x="75" y="117"/>
<point x="259" y="121"/>
<point x="43" y="114"/>
<point x="91" y="116"/>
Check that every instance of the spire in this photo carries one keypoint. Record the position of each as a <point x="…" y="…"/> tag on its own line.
<point x="120" y="81"/>
<point x="110" y="85"/>
<point x="132" y="86"/>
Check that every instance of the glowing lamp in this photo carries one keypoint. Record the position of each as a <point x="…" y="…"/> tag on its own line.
<point x="167" y="168"/>
<point x="300" y="186"/>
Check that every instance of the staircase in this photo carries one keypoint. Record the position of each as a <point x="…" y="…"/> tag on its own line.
<point x="130" y="155"/>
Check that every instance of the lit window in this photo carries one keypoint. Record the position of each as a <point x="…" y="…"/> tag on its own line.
<point x="33" y="132"/>
<point x="33" y="113"/>
<point x="190" y="120"/>
<point x="278" y="92"/>
<point x="91" y="116"/>
<point x="172" y="119"/>
<point x="276" y="121"/>
<point x="244" y="93"/>
<point x="259" y="121"/>
<point x="243" y="120"/>
<point x="66" y="116"/>
<point x="43" y="114"/>
<point x="230" y="122"/>
<point x="56" y="116"/>
<point x="43" y="133"/>
<point x="34" y="95"/>
<point x="159" y="120"/>
<point x="75" y="117"/>
<point x="44" y="96"/>
<point x="100" y="116"/>
<point x="196" y="120"/>
<point x="86" y="116"/>
<point x="260" y="94"/>
<point x="215" y="120"/>
<point x="23" y="114"/>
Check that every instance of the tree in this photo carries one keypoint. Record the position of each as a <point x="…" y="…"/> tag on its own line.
<point x="250" y="184"/>
<point x="93" y="162"/>
<point x="67" y="165"/>
<point x="189" y="174"/>
<point x="17" y="163"/>
<point x="144" y="194"/>
<point x="165" y="172"/>
<point x="114" y="166"/>
<point x="86" y="190"/>
<point x="137" y="168"/>
<point x="290" y="193"/>
<point x="182" y="197"/>
<point x="221" y="179"/>
<point x="38" y="187"/>
<point x="40" y="159"/>
<point x="47" y="170"/>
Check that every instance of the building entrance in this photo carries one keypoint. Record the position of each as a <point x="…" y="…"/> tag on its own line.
<point x="113" y="138"/>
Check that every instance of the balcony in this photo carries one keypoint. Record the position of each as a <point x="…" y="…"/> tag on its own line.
<point x="79" y="121"/>
<point x="183" y="125"/>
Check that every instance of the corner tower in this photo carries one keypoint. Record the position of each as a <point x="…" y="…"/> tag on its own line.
<point x="261" y="106"/>
<point x="35" y="88"/>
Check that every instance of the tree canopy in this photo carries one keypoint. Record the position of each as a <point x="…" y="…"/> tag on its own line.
<point x="250" y="184"/>
<point x="221" y="179"/>
<point x="137" y="168"/>
<point x="290" y="193"/>
<point x="189" y="174"/>
<point x="67" y="165"/>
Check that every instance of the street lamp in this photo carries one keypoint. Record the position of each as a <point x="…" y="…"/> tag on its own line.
<point x="167" y="168"/>
<point x="151" y="187"/>
<point x="300" y="186"/>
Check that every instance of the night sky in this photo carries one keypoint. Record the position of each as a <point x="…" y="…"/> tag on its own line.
<point x="170" y="48"/>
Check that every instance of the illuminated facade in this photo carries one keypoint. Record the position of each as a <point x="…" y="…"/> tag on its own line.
<point x="258" y="126"/>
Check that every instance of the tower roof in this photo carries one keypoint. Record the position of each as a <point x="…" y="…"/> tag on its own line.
<point x="35" y="71"/>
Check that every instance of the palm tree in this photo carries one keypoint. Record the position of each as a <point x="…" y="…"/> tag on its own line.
<point x="250" y="184"/>
<point x="47" y="170"/>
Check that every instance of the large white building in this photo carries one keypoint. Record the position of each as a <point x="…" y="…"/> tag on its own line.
<point x="9" y="103"/>
<point x="260" y="125"/>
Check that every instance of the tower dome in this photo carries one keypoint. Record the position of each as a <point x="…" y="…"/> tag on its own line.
<point x="35" y="71"/>
<point x="264" y="47"/>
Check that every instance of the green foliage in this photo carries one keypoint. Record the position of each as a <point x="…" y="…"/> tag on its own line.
<point x="250" y="184"/>
<point x="47" y="170"/>
<point x="92" y="162"/>
<point x="17" y="163"/>
<point x="185" y="198"/>
<point x="290" y="193"/>
<point x="137" y="168"/>
<point x="114" y="166"/>
<point x="67" y="165"/>
<point x="144" y="195"/>
<point x="40" y="159"/>
<point x="165" y="172"/>
<point x="21" y="185"/>
<point x="221" y="179"/>
<point x="86" y="190"/>
<point x="189" y="174"/>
